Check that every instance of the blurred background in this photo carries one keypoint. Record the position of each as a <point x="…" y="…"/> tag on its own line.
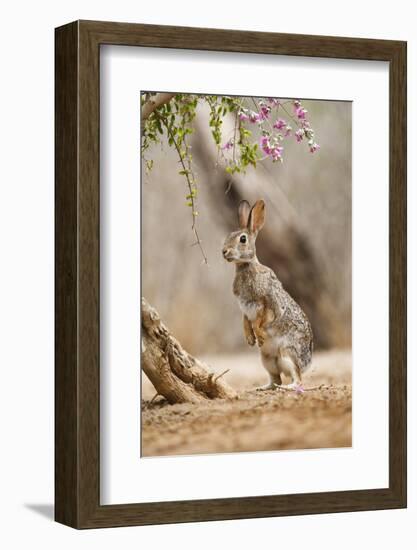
<point x="306" y="239"/>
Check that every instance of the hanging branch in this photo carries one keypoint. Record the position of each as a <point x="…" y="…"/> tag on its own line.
<point x="189" y="176"/>
<point x="159" y="114"/>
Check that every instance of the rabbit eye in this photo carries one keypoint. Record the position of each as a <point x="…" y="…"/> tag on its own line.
<point x="243" y="239"/>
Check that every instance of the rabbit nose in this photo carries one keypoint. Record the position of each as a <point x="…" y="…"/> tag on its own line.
<point x="224" y="251"/>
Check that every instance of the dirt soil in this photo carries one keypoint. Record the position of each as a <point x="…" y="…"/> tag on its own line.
<point x="258" y="420"/>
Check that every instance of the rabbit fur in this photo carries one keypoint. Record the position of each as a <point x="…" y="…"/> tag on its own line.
<point x="271" y="317"/>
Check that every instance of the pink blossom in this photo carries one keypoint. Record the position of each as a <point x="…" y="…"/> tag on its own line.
<point x="274" y="151"/>
<point x="254" y="117"/>
<point x="288" y="130"/>
<point x="299" y="389"/>
<point x="314" y="147"/>
<point x="280" y="123"/>
<point x="299" y="134"/>
<point x="243" y="116"/>
<point x="301" y="113"/>
<point x="264" y="112"/>
<point x="262" y="115"/>
<point x="297" y="103"/>
<point x="273" y="101"/>
<point x="265" y="144"/>
<point x="228" y="145"/>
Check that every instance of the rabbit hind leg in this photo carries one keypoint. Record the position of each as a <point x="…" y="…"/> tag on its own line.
<point x="270" y="366"/>
<point x="288" y="366"/>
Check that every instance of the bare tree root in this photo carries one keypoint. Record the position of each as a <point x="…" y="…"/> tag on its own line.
<point x="175" y="374"/>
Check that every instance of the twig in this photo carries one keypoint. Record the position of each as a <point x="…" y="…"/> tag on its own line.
<point x="284" y="389"/>
<point x="220" y="375"/>
<point x="152" y="400"/>
<point x="229" y="186"/>
<point x="301" y="389"/>
<point x="234" y="140"/>
<point x="290" y="115"/>
<point x="190" y="188"/>
<point x="320" y="387"/>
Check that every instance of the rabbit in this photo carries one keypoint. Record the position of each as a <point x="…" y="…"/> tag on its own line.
<point x="271" y="317"/>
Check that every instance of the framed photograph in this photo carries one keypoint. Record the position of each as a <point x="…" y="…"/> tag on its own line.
<point x="230" y="274"/>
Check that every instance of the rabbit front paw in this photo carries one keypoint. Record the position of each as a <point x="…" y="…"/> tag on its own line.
<point x="250" y="339"/>
<point x="260" y="334"/>
<point x="261" y="339"/>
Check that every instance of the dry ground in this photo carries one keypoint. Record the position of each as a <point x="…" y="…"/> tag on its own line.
<point x="267" y="420"/>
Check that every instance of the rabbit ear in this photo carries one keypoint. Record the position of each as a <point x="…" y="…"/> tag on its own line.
<point x="257" y="217"/>
<point x="243" y="214"/>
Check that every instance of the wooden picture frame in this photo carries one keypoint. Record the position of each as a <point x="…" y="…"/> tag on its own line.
<point x="77" y="359"/>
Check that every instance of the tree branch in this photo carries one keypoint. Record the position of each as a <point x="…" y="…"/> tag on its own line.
<point x="175" y="374"/>
<point x="155" y="102"/>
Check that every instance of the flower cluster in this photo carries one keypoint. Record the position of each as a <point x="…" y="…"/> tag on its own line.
<point x="261" y="128"/>
<point x="253" y="116"/>
<point x="274" y="132"/>
<point x="271" y="147"/>
<point x="305" y="131"/>
<point x="281" y="124"/>
<point x="300" y="112"/>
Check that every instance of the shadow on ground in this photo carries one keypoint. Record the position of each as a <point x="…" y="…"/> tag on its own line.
<point x="45" y="510"/>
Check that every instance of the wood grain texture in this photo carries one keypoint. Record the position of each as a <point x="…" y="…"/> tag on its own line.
<point x="398" y="272"/>
<point x="77" y="372"/>
<point x="66" y="236"/>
